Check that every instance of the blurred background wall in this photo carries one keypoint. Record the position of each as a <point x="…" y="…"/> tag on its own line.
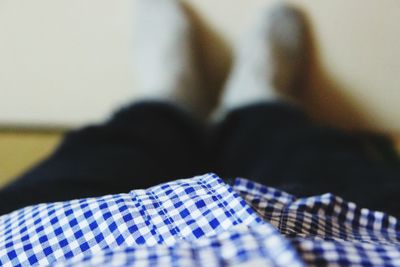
<point x="64" y="63"/>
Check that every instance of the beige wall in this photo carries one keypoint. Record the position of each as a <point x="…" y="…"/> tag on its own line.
<point x="67" y="62"/>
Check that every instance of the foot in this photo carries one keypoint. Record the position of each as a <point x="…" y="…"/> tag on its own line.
<point x="268" y="61"/>
<point x="164" y="58"/>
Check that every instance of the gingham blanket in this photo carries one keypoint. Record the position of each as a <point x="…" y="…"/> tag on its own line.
<point x="200" y="222"/>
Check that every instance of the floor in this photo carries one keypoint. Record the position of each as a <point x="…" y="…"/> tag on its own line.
<point x="21" y="150"/>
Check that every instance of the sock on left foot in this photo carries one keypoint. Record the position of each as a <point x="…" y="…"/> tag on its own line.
<point x="164" y="58"/>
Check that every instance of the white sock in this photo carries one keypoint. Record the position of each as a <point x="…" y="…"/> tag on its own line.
<point x="267" y="60"/>
<point x="164" y="59"/>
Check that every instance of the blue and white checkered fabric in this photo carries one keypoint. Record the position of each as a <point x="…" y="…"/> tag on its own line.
<point x="326" y="230"/>
<point x="199" y="222"/>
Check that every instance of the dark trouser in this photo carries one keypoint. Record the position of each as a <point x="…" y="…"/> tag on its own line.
<point x="150" y="143"/>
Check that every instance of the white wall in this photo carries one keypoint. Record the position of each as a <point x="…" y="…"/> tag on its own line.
<point x="67" y="62"/>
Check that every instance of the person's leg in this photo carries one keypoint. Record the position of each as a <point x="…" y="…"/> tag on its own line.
<point x="145" y="143"/>
<point x="274" y="143"/>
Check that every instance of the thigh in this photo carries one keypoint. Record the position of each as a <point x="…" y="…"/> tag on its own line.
<point x="276" y="144"/>
<point x="141" y="146"/>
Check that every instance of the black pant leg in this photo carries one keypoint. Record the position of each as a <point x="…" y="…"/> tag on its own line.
<point x="275" y="144"/>
<point x="142" y="145"/>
